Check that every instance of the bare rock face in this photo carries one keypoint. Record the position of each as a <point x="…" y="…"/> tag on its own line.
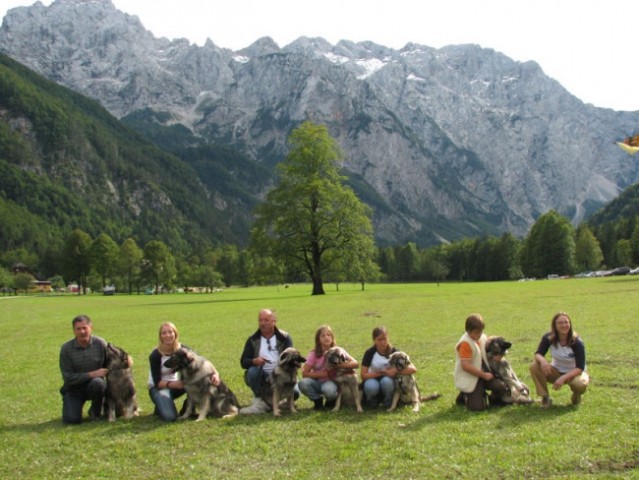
<point x="448" y="142"/>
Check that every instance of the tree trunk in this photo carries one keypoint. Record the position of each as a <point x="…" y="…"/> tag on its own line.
<point x="318" y="286"/>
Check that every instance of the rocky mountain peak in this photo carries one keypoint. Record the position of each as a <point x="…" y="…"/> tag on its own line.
<point x="447" y="142"/>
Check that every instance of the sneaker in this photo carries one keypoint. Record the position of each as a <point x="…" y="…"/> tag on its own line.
<point x="546" y="401"/>
<point x="576" y="398"/>
<point x="318" y="404"/>
<point x="330" y="404"/>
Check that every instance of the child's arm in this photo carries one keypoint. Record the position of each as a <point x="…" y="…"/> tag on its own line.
<point x="467" y="366"/>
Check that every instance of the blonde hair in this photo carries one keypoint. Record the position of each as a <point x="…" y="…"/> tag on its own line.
<point x="163" y="349"/>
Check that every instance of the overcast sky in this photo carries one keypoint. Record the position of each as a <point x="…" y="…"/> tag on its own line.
<point x="589" y="46"/>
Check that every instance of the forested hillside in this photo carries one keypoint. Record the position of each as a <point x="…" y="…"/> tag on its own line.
<point x="66" y="163"/>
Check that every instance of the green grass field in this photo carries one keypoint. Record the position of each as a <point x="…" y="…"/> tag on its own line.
<point x="598" y="439"/>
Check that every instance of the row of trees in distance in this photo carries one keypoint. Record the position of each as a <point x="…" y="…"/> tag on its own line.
<point x="312" y="227"/>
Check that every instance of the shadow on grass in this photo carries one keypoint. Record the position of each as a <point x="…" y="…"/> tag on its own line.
<point x="226" y="300"/>
<point x="508" y="416"/>
<point x="139" y="424"/>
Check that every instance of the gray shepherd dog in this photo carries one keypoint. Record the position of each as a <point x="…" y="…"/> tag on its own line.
<point x="518" y="392"/>
<point x="406" y="389"/>
<point x="283" y="379"/>
<point x="120" y="391"/>
<point x="279" y="386"/>
<point x="347" y="380"/>
<point x="201" y="395"/>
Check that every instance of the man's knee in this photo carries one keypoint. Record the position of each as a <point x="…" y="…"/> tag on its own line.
<point x="96" y="387"/>
<point x="71" y="409"/>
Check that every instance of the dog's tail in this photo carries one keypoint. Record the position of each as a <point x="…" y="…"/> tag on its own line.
<point x="432" y="396"/>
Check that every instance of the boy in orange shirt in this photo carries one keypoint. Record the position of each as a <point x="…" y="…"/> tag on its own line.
<point x="472" y="375"/>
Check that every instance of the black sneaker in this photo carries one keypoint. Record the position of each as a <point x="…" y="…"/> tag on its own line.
<point x="318" y="404"/>
<point x="330" y="404"/>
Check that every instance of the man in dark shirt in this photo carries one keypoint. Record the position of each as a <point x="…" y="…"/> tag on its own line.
<point x="82" y="361"/>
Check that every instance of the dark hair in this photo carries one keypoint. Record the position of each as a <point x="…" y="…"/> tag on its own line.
<point x="475" y="322"/>
<point x="377" y="331"/>
<point x="554" y="334"/>
<point x="82" y="318"/>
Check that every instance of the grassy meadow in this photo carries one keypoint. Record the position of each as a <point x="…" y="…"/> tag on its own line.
<point x="597" y="439"/>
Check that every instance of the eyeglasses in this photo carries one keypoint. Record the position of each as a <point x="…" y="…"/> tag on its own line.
<point x="270" y="347"/>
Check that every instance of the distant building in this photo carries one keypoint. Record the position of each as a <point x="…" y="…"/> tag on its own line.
<point x="20" y="267"/>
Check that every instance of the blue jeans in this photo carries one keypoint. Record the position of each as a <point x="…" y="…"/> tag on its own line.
<point x="164" y="404"/>
<point x="74" y="399"/>
<point x="314" y="389"/>
<point x="255" y="377"/>
<point x="378" y="390"/>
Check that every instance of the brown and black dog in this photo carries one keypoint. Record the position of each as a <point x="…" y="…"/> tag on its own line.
<point x="120" y="391"/>
<point x="517" y="391"/>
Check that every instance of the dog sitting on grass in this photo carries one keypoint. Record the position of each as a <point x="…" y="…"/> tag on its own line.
<point x="517" y="392"/>
<point x="120" y="392"/>
<point x="406" y="389"/>
<point x="201" y="395"/>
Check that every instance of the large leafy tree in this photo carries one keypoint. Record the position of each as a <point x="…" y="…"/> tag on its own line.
<point x="104" y="255"/>
<point x="158" y="264"/>
<point x="77" y="258"/>
<point x="549" y="247"/>
<point x="129" y="262"/>
<point x="311" y="219"/>
<point x="588" y="255"/>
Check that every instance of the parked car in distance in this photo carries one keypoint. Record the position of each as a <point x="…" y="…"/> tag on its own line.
<point x="620" y="271"/>
<point x="108" y="290"/>
<point x="634" y="271"/>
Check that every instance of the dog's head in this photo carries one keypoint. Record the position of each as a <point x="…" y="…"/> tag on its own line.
<point x="117" y="358"/>
<point x="291" y="359"/>
<point x="335" y="356"/>
<point x="497" y="346"/>
<point x="179" y="360"/>
<point x="399" y="360"/>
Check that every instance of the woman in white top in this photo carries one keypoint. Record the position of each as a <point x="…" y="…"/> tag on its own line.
<point x="164" y="385"/>
<point x="568" y="364"/>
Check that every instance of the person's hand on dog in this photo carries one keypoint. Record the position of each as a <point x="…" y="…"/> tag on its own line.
<point x="487" y="376"/>
<point x="215" y="379"/>
<point x="99" y="373"/>
<point x="390" y="371"/>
